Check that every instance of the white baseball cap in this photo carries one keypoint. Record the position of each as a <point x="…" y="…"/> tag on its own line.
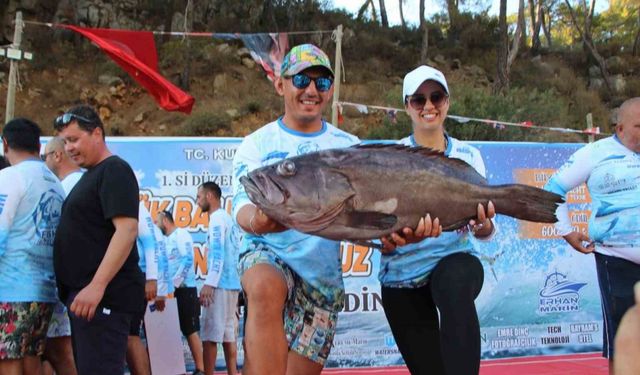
<point x="414" y="79"/>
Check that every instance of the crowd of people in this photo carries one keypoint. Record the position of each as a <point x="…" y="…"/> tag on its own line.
<point x="81" y="258"/>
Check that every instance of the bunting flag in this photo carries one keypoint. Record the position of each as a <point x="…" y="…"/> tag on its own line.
<point x="498" y="125"/>
<point x="266" y="49"/>
<point x="392" y="113"/>
<point x="340" y="116"/>
<point x="135" y="52"/>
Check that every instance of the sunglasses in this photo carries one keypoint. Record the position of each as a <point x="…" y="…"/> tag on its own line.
<point x="46" y="155"/>
<point x="437" y="98"/>
<point x="65" y="118"/>
<point x="302" y="81"/>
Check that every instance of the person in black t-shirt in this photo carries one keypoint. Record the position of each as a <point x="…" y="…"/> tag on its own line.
<point x="95" y="258"/>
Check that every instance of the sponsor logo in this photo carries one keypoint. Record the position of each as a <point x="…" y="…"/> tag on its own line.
<point x="559" y="295"/>
<point x="389" y="340"/>
<point x="307" y="147"/>
<point x="47" y="216"/>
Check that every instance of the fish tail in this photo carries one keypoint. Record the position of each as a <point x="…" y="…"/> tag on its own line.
<point x="526" y="202"/>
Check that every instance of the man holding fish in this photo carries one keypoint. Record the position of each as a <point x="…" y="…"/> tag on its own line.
<point x="286" y="273"/>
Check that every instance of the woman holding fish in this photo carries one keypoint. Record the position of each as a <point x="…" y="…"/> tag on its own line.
<point x="429" y="288"/>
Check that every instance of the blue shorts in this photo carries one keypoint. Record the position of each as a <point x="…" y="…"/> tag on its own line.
<point x="616" y="277"/>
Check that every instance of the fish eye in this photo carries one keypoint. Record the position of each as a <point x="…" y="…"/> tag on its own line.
<point x="286" y="168"/>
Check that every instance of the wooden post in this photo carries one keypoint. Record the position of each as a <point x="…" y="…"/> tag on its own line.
<point x="590" y="127"/>
<point x="13" y="70"/>
<point x="337" y="36"/>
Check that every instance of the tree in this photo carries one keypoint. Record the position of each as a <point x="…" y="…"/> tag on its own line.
<point x="584" y="31"/>
<point x="422" y="21"/>
<point x="502" y="75"/>
<point x="425" y="35"/>
<point x="506" y="56"/>
<point x="402" y="21"/>
<point x="363" y="10"/>
<point x="536" y="14"/>
<point x="636" y="41"/>
<point x="383" y="15"/>
<point x="546" y="25"/>
<point x="454" y="15"/>
<point x="185" y="76"/>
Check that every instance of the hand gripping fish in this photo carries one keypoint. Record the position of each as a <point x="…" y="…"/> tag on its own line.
<point x="365" y="192"/>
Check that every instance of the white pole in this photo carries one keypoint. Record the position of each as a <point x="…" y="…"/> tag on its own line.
<point x="337" y="34"/>
<point x="13" y="69"/>
<point x="590" y="126"/>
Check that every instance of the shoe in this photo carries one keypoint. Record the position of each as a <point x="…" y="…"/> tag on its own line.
<point x="197" y="372"/>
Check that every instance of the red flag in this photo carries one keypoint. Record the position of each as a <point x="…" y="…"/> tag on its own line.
<point x="135" y="52"/>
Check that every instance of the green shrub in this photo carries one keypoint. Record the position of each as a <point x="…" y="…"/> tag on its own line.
<point x="203" y="124"/>
<point x="389" y="130"/>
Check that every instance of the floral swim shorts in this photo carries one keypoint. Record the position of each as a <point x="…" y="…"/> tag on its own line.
<point x="309" y="325"/>
<point x="23" y="328"/>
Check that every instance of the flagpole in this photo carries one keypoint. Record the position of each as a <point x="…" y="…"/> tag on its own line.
<point x="337" y="35"/>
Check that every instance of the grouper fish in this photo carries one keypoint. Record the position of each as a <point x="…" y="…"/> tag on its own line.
<point x="365" y="192"/>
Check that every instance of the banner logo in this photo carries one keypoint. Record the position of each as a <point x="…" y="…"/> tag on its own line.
<point x="559" y="294"/>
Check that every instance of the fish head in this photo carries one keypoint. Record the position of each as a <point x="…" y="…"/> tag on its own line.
<point x="302" y="192"/>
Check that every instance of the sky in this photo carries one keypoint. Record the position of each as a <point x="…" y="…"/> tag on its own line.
<point x="411" y="8"/>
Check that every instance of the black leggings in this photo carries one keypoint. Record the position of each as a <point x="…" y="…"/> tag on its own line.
<point x="450" y="346"/>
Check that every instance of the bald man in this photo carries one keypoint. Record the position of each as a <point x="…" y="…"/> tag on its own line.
<point x="58" y="351"/>
<point x="611" y="169"/>
<point x="60" y="164"/>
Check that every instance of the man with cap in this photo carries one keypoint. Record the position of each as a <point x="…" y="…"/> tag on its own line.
<point x="429" y="288"/>
<point x="285" y="273"/>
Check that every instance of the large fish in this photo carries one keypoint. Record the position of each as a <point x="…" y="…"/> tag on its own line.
<point x="368" y="191"/>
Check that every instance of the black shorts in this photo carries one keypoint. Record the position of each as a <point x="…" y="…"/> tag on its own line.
<point x="99" y="345"/>
<point x="137" y="320"/>
<point x="188" y="310"/>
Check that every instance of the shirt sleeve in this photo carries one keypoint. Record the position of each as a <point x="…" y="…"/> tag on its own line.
<point x="216" y="243"/>
<point x="164" y="286"/>
<point x="185" y="247"/>
<point x="573" y="173"/>
<point x="119" y="195"/>
<point x="247" y="158"/>
<point x="12" y="191"/>
<point x="148" y="241"/>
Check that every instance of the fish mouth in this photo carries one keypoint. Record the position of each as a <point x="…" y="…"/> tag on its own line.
<point x="263" y="190"/>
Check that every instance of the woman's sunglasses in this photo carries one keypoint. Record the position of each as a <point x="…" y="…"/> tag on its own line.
<point x="437" y="98"/>
<point x="302" y="81"/>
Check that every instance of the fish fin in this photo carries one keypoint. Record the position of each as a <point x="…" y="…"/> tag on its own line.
<point x="526" y="202"/>
<point x="370" y="220"/>
<point x="470" y="174"/>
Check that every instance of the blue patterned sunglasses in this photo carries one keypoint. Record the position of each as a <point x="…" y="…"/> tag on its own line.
<point x="302" y="81"/>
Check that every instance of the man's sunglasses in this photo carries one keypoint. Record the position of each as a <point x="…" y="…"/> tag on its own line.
<point x="65" y="118"/>
<point x="437" y="98"/>
<point x="46" y="155"/>
<point x="302" y="81"/>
